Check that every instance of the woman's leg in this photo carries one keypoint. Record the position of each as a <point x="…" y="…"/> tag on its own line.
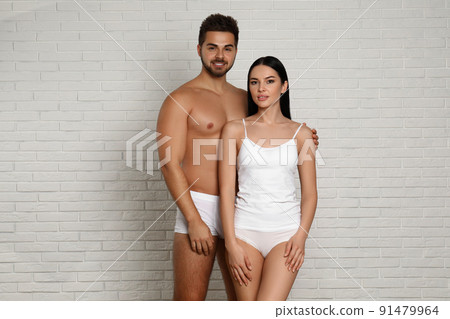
<point x="276" y="280"/>
<point x="227" y="279"/>
<point x="256" y="259"/>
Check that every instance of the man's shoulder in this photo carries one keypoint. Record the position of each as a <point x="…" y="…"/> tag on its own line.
<point x="182" y="94"/>
<point x="185" y="90"/>
<point x="237" y="91"/>
<point x="194" y="90"/>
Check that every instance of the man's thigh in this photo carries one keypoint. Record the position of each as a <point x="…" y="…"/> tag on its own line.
<point x="191" y="270"/>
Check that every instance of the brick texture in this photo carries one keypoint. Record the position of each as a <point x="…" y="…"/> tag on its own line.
<point x="78" y="223"/>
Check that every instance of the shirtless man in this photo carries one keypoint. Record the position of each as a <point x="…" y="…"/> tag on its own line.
<point x="194" y="112"/>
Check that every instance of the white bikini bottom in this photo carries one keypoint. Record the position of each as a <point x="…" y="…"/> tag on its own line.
<point x="264" y="241"/>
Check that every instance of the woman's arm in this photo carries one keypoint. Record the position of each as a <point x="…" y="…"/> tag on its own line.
<point x="237" y="258"/>
<point x="307" y="172"/>
<point x="227" y="182"/>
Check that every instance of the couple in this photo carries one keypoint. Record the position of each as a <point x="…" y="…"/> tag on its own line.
<point x="261" y="244"/>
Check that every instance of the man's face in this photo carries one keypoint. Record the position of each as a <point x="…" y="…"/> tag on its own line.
<point x="218" y="52"/>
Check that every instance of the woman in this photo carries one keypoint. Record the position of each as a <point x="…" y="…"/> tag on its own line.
<point x="264" y="234"/>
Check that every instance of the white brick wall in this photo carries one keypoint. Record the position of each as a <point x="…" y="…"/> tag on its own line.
<point x="71" y="98"/>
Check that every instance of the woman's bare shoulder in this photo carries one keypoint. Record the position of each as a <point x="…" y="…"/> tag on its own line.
<point x="305" y="132"/>
<point x="233" y="128"/>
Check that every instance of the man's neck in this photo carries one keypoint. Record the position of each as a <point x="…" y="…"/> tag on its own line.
<point x="213" y="83"/>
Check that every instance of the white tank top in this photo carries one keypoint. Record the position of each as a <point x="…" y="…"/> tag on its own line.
<point x="266" y="199"/>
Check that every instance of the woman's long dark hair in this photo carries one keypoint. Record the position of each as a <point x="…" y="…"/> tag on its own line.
<point x="275" y="64"/>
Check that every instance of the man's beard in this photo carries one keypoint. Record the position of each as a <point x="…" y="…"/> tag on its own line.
<point x="216" y="74"/>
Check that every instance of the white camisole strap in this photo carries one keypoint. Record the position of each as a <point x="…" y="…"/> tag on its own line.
<point x="297" y="131"/>
<point x="245" y="129"/>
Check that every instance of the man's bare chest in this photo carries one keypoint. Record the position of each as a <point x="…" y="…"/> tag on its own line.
<point x="208" y="116"/>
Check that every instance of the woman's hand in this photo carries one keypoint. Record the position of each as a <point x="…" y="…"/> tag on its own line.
<point x="295" y="252"/>
<point x="239" y="264"/>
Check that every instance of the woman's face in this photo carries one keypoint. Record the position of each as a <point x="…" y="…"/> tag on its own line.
<point x="265" y="86"/>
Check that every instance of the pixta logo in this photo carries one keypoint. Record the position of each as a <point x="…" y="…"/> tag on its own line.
<point x="141" y="147"/>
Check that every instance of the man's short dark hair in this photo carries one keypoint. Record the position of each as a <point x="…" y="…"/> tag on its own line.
<point x="218" y="22"/>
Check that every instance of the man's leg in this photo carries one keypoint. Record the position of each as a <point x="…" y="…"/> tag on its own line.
<point x="228" y="281"/>
<point x="191" y="270"/>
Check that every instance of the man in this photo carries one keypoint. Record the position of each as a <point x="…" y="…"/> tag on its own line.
<point x="193" y="115"/>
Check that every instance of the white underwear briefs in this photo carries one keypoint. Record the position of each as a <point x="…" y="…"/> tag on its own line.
<point x="208" y="207"/>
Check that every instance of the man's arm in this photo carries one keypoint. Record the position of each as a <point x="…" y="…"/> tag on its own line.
<point x="172" y="122"/>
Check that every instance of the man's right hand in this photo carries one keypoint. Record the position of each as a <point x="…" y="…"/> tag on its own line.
<point x="200" y="237"/>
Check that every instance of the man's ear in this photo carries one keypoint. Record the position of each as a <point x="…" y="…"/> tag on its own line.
<point x="199" y="48"/>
